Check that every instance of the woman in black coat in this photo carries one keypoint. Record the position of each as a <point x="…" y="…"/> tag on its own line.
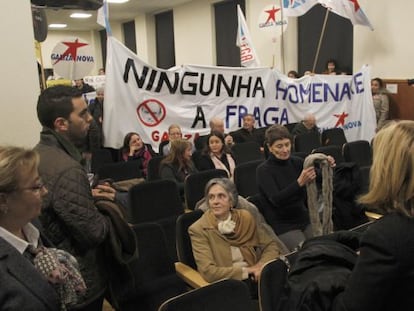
<point x="383" y="277"/>
<point x="282" y="183"/>
<point x="216" y="155"/>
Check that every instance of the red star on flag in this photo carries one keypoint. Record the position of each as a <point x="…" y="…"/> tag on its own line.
<point x="356" y="4"/>
<point x="341" y="119"/>
<point x="72" y="50"/>
<point x="272" y="15"/>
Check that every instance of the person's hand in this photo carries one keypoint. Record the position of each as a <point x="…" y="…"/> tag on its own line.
<point x="306" y="176"/>
<point x="104" y="190"/>
<point x="331" y="161"/>
<point x="132" y="150"/>
<point x="254" y="271"/>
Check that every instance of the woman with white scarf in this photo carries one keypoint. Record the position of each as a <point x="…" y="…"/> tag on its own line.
<point x="227" y="242"/>
<point x="216" y="155"/>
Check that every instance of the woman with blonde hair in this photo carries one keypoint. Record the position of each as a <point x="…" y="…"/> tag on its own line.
<point x="383" y="277"/>
<point x="32" y="276"/>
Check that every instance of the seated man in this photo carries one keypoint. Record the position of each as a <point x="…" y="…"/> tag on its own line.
<point x="307" y="125"/>
<point x="174" y="133"/>
<point x="248" y="132"/>
<point x="217" y="124"/>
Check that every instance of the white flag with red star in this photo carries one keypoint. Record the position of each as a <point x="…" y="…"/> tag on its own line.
<point x="248" y="56"/>
<point x="349" y="9"/>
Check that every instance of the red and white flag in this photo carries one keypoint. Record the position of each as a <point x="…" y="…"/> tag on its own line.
<point x="248" y="56"/>
<point x="349" y="9"/>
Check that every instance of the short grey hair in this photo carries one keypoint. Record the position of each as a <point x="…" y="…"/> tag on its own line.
<point x="227" y="185"/>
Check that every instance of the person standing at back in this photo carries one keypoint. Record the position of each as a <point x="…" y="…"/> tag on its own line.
<point x="69" y="216"/>
<point x="381" y="102"/>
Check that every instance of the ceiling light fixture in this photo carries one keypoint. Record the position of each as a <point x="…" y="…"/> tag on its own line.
<point x="80" y="15"/>
<point x="57" y="25"/>
<point x="117" y="1"/>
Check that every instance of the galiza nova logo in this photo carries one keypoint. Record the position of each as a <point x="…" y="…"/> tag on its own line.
<point x="72" y="58"/>
<point x="270" y="18"/>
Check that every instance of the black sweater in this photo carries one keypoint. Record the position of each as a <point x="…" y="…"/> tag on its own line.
<point x="285" y="201"/>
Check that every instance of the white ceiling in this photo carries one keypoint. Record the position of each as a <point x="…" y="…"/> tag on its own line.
<point x="117" y="12"/>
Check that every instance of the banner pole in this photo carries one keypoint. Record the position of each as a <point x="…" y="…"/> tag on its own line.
<point x="282" y="41"/>
<point x="42" y="71"/>
<point x="320" y="40"/>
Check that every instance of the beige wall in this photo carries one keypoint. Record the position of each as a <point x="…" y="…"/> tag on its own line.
<point x="194" y="33"/>
<point x="19" y="79"/>
<point x="389" y="49"/>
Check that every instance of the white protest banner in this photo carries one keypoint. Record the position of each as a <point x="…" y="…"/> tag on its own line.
<point x="144" y="99"/>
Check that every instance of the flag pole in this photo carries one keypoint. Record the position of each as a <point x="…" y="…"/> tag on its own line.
<point x="315" y="61"/>
<point x="41" y="66"/>
<point x="282" y="41"/>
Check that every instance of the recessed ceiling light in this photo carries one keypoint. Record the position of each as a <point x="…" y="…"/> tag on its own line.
<point x="117" y="1"/>
<point x="80" y="15"/>
<point x="57" y="25"/>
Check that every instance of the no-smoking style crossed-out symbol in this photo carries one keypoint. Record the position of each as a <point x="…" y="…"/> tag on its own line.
<point x="151" y="112"/>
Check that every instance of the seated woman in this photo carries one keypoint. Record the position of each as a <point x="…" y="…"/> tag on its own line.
<point x="216" y="155"/>
<point x="134" y="149"/>
<point x="227" y="242"/>
<point x="383" y="276"/>
<point x="282" y="183"/>
<point x="177" y="165"/>
<point x="25" y="282"/>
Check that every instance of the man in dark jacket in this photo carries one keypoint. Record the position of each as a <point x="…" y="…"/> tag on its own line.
<point x="307" y="125"/>
<point x="69" y="216"/>
<point x="248" y="132"/>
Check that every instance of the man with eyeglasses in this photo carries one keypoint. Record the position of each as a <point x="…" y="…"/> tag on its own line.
<point x="69" y="216"/>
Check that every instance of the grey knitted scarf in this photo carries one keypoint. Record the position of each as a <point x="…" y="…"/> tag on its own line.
<point x="326" y="226"/>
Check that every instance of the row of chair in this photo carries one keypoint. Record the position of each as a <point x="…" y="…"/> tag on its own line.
<point x="160" y="283"/>
<point x="312" y="140"/>
<point x="157" y="281"/>
<point x="163" y="235"/>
